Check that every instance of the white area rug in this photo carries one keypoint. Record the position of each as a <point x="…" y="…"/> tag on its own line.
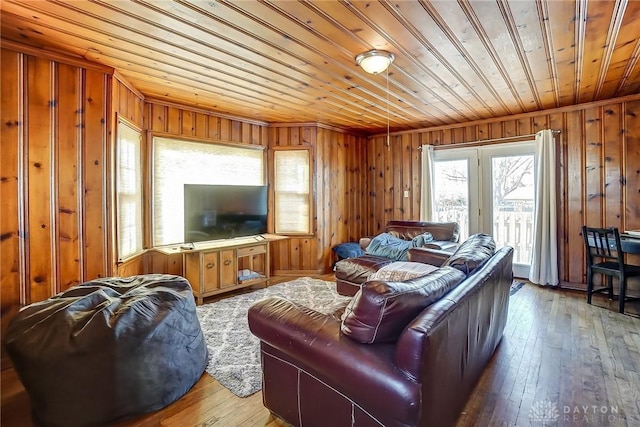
<point x="234" y="353"/>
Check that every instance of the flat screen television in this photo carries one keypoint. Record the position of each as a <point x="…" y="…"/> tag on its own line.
<point x="214" y="212"/>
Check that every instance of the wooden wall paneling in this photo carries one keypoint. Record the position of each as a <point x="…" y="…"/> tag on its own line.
<point x="273" y="136"/>
<point x="174" y="121"/>
<point x="496" y="130"/>
<point x="309" y="136"/>
<point x="631" y="165"/>
<point x="324" y="202"/>
<point x="447" y="137"/>
<point x="557" y="121"/>
<point x="415" y="190"/>
<point x="509" y="128"/>
<point x="339" y="189"/>
<point x="436" y="137"/>
<point x="116" y="86"/>
<point x="354" y="197"/>
<point x="376" y="186"/>
<point x="575" y="195"/>
<point x="225" y="129"/>
<point x="94" y="175"/>
<point x="525" y="126"/>
<point x="294" y="254"/>
<point x="138" y="109"/>
<point x="131" y="267"/>
<point x="200" y="124"/>
<point x="321" y="232"/>
<point x="540" y="123"/>
<point x="593" y="170"/>
<point x="387" y="189"/>
<point x="309" y="247"/>
<point x="483" y="131"/>
<point x="12" y="277"/>
<point x="257" y="137"/>
<point x="39" y="203"/>
<point x="187" y="127"/>
<point x="471" y="133"/>
<point x="407" y="172"/>
<point x="69" y="131"/>
<point x="236" y="131"/>
<point x="360" y="184"/>
<point x="246" y="132"/>
<point x="281" y="257"/>
<point x="307" y="253"/>
<point x="130" y="110"/>
<point x="458" y="135"/>
<point x="294" y="135"/>
<point x="122" y="104"/>
<point x="613" y="164"/>
<point x="283" y="136"/>
<point x="395" y="175"/>
<point x="350" y="198"/>
<point x="158" y="121"/>
<point x="213" y="127"/>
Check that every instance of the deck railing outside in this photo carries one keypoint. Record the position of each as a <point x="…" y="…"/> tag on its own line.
<point x="512" y="226"/>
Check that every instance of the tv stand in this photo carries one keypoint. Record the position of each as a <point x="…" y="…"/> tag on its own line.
<point x="214" y="267"/>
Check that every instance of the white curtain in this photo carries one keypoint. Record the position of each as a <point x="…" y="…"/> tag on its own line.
<point x="544" y="262"/>
<point x="426" y="201"/>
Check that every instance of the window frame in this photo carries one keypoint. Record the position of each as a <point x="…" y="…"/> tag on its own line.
<point x="310" y="193"/>
<point x="152" y="160"/>
<point x="140" y="195"/>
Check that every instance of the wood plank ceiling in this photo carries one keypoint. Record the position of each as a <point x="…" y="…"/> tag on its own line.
<point x="288" y="61"/>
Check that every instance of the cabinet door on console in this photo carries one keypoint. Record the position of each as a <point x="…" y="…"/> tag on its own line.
<point x="228" y="268"/>
<point x="210" y="264"/>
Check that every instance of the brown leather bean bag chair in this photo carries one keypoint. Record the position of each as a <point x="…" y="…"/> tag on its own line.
<point x="108" y="349"/>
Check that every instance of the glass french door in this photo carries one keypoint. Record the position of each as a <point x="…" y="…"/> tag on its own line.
<point x="491" y="190"/>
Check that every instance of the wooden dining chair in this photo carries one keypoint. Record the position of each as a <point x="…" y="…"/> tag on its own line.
<point x="605" y="256"/>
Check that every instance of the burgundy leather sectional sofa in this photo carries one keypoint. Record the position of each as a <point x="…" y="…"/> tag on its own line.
<point x="400" y="354"/>
<point x="352" y="272"/>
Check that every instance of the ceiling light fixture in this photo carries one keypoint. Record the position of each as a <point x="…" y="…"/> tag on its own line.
<point x="375" y="61"/>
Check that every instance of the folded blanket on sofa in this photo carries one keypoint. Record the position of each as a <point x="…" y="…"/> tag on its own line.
<point x="388" y="246"/>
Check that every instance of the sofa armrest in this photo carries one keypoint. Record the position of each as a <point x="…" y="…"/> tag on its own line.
<point x="426" y="255"/>
<point x="313" y="342"/>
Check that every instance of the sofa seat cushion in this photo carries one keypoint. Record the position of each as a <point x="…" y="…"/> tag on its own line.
<point x="357" y="270"/>
<point x="472" y="253"/>
<point x="380" y="310"/>
<point x="398" y="271"/>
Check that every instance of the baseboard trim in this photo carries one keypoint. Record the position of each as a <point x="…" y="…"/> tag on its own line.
<point x="299" y="273"/>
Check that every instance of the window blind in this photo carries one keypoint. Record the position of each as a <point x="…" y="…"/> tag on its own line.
<point x="291" y="191"/>
<point x="178" y="162"/>
<point x="128" y="191"/>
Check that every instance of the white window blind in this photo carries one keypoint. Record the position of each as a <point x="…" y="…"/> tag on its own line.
<point x="291" y="191"/>
<point x="128" y="191"/>
<point x="178" y="162"/>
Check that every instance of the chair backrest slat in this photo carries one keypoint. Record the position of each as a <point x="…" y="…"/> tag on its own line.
<point x="602" y="243"/>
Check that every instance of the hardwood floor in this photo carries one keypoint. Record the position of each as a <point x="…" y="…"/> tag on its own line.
<point x="557" y="353"/>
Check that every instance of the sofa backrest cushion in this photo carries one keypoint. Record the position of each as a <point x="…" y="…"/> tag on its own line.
<point x="380" y="310"/>
<point x="472" y="253"/>
<point x="407" y="230"/>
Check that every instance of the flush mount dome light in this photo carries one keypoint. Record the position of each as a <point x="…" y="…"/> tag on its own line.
<point x="375" y="61"/>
